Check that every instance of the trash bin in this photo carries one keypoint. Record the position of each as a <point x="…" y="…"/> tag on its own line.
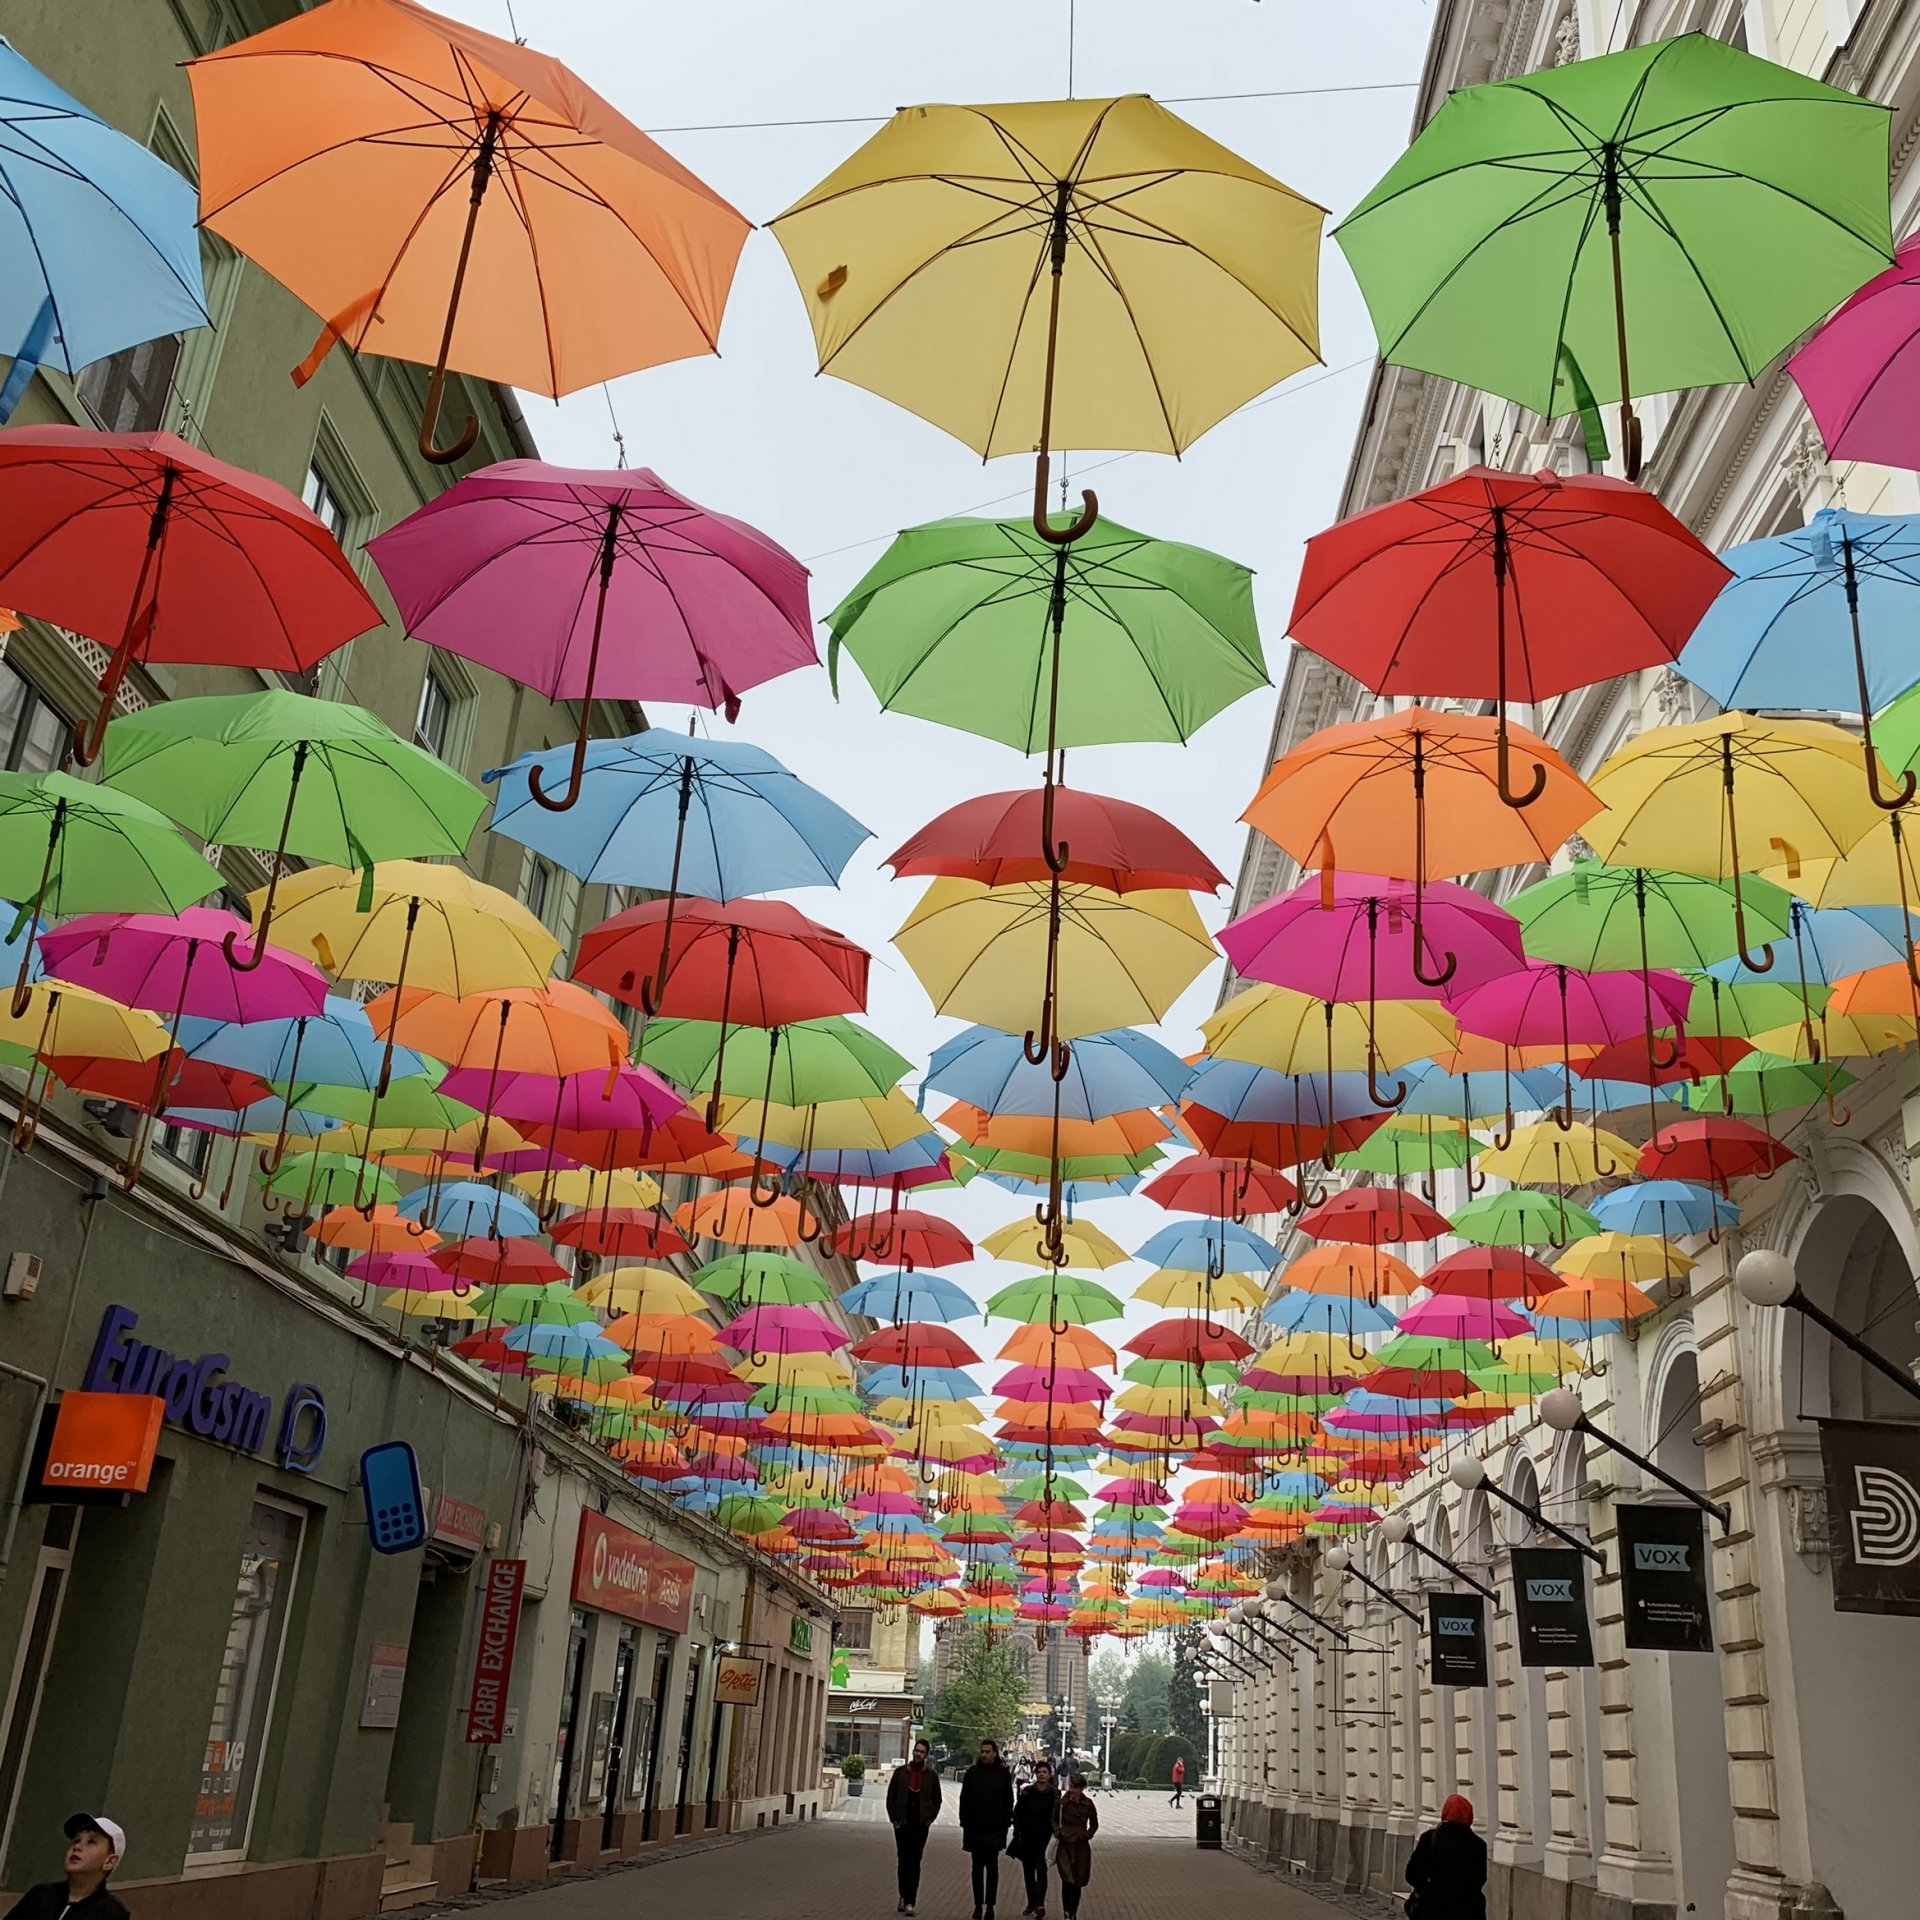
<point x="1206" y="1820"/>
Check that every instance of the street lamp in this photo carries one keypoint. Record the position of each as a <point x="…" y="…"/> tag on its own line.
<point x="1562" y="1411"/>
<point x="1470" y="1472"/>
<point x="1397" y="1530"/>
<point x="1767" y="1279"/>
<point x="1109" y="1719"/>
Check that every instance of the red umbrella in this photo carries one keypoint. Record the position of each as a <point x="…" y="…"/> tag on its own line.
<point x="1373" y="1216"/>
<point x="997" y="839"/>
<point x="1504" y="586"/>
<point x="1697" y="1057"/>
<point x="1226" y="1189"/>
<point x="1490" y="1273"/>
<point x="904" y="1236"/>
<point x="1275" y="1143"/>
<point x="498" y="1263"/>
<point x="1715" y="1148"/>
<point x="1193" y="1340"/>
<point x="161" y="552"/>
<point x="621" y="1233"/>
<point x="182" y="1080"/>
<point x="914" y="1344"/>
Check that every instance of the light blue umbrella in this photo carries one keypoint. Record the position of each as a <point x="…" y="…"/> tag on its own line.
<point x="336" y="1047"/>
<point x="910" y="1296"/>
<point x="1802" y="607"/>
<point x="1239" y="1091"/>
<point x="1433" y="1093"/>
<point x="1208" y="1246"/>
<point x="582" y="1342"/>
<point x="1074" y="1193"/>
<point x="1603" y="1096"/>
<point x="865" y="1164"/>
<point x="1116" y="1072"/>
<point x="263" y="1116"/>
<point x="1663" y="1206"/>
<point x="13" y="930"/>
<point x="920" y="1383"/>
<point x="1296" y="1311"/>
<point x="1825" y="944"/>
<point x="97" y="233"/>
<point x="469" y="1209"/>
<point x="660" y="809"/>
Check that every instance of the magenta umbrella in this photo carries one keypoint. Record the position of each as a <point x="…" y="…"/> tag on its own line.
<point x="1449" y="1316"/>
<point x="782" y="1330"/>
<point x="596" y="1101"/>
<point x="1053" y="1383"/>
<point x="528" y="569"/>
<point x="1860" y="373"/>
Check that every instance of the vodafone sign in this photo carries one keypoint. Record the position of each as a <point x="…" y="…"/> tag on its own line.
<point x="619" y="1571"/>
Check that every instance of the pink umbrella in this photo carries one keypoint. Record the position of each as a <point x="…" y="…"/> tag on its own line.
<point x="1053" y="1383"/>
<point x="521" y="567"/>
<point x="781" y="1330"/>
<point x="1132" y="1493"/>
<point x="1456" y="1317"/>
<point x="597" y="1101"/>
<point x="1860" y="373"/>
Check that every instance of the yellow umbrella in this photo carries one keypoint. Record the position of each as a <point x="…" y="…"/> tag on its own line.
<point x="1195" y="1292"/>
<point x="897" y="1410"/>
<point x="1882" y="869"/>
<point x="943" y="1443"/>
<point x="1022" y="1243"/>
<point x="1636" y="1257"/>
<point x="875" y="1124"/>
<point x="1732" y="795"/>
<point x="583" y="1187"/>
<point x="1179" y="1402"/>
<point x="413" y="1304"/>
<point x="63" y="1020"/>
<point x="1845" y="1034"/>
<point x="1061" y="273"/>
<point x="1540" y="1155"/>
<point x="795" y="1370"/>
<point x="982" y="953"/>
<point x="1295" y="1033"/>
<point x="642" y="1290"/>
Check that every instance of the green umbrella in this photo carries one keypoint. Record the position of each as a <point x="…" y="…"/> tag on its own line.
<point x="1522" y="1217"/>
<point x="1671" y="216"/>
<point x="1039" y="1167"/>
<point x="524" y="1306"/>
<point x="812" y="1060"/>
<point x="1064" y="1299"/>
<point x="1059" y="1486"/>
<point x="1401" y="1150"/>
<point x="1768" y="1083"/>
<point x="749" y="1513"/>
<point x="319" y="1181"/>
<point x="1621" y="918"/>
<point x="759" y="1279"/>
<point x="68" y="847"/>
<point x="284" y="771"/>
<point x="410" y="1101"/>
<point x="1744" y="1008"/>
<point x="1180" y="1373"/>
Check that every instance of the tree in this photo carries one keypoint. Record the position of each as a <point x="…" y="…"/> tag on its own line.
<point x="1107" y="1675"/>
<point x="1183" y="1691"/>
<point x="985" y="1688"/>
<point x="1148" y="1681"/>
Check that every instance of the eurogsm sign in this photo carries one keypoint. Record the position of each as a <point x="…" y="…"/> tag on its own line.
<point x="620" y="1571"/>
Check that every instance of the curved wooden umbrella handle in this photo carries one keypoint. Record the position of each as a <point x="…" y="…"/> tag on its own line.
<point x="1083" y="523"/>
<point x="430" y="421"/>
<point x="1503" y="767"/>
<point x="575" y="773"/>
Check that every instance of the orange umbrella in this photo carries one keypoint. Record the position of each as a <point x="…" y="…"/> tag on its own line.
<point x="734" y="1216"/>
<point x="375" y="157"/>
<point x="1118" y="1133"/>
<point x="1338" y="1268"/>
<point x="1038" y="1345"/>
<point x="384" y="1230"/>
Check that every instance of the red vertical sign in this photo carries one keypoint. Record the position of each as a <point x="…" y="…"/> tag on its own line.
<point x="493" y="1651"/>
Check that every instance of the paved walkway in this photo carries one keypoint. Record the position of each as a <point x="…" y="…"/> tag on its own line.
<point x="1146" y="1867"/>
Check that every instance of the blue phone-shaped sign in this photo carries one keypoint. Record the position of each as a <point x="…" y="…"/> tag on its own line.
<point x="396" y="1510"/>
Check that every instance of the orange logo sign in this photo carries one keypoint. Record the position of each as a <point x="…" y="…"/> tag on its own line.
<point x="104" y="1441"/>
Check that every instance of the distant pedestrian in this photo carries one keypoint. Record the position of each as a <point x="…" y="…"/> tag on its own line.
<point x="1075" y="1821"/>
<point x="94" y="1847"/>
<point x="1033" y="1834"/>
<point x="1179" y="1778"/>
<point x="986" y="1813"/>
<point x="913" y="1805"/>
<point x="1448" y="1871"/>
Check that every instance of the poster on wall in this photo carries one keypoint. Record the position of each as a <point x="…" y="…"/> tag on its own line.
<point x="1873" y="1514"/>
<point x="1550" y="1607"/>
<point x="1457" y="1639"/>
<point x="1663" y="1578"/>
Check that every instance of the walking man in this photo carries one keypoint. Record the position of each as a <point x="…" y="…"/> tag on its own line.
<point x="986" y="1813"/>
<point x="1179" y="1778"/>
<point x="94" y="1847"/>
<point x="913" y="1805"/>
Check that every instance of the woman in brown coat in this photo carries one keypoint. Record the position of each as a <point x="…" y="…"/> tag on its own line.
<point x="1075" y="1821"/>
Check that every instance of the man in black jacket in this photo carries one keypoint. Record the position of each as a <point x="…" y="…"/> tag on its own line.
<point x="94" y="1847"/>
<point x="986" y="1812"/>
<point x="913" y="1805"/>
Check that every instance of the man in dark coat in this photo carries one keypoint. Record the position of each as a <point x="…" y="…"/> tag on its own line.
<point x="1033" y="1834"/>
<point x="1448" y="1871"/>
<point x="986" y="1812"/>
<point x="913" y="1805"/>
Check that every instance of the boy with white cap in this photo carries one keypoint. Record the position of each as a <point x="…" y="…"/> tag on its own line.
<point x="94" y="1847"/>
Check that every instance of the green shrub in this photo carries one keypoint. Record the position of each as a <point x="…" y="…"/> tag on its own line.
<point x="853" y="1767"/>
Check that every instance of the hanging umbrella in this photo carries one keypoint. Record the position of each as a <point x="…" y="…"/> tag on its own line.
<point x="586" y="586"/>
<point x="620" y="1233"/>
<point x="1109" y="1073"/>
<point x="50" y="1019"/>
<point x="1613" y="227"/>
<point x="290" y="774"/>
<point x="1517" y="1217"/>
<point x="1858" y="372"/>
<point x="1772" y="638"/>
<point x="1545" y="1155"/>
<point x="68" y="847"/>
<point x="357" y="149"/>
<point x="1507" y="586"/>
<point x="1417" y="795"/>
<point x="1058" y="1300"/>
<point x="1669" y="1208"/>
<point x="1373" y="1216"/>
<point x="466" y="1207"/>
<point x="1212" y="1247"/>
<point x="1226" y="1189"/>
<point x="906" y="1237"/>
<point x="1085" y="1244"/>
<point x="909" y="1296"/>
<point x="160" y="552"/>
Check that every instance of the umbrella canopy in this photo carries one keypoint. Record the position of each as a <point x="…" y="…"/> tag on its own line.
<point x="1085" y="1245"/>
<point x="1108" y="1073"/>
<point x="808" y="1060"/>
<point x="1371" y="1216"/>
<point x="1518" y="1217"/>
<point x="1860" y="375"/>
<point x="1611" y="227"/>
<point x="1601" y="917"/>
<point x="1222" y="1188"/>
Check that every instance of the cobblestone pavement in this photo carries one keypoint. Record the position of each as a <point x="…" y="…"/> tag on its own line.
<point x="1146" y="1867"/>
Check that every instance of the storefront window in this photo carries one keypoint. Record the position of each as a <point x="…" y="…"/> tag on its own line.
<point x="249" y="1672"/>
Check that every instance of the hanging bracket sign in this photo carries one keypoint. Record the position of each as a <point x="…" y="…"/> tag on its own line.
<point x="1550" y="1607"/>
<point x="1457" y="1639"/>
<point x="1663" y="1578"/>
<point x="1873" y="1514"/>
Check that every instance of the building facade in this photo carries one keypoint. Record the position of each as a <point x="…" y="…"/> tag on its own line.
<point x="874" y="1708"/>
<point x="1056" y="1669"/>
<point x="286" y="1721"/>
<point x="1757" y="1781"/>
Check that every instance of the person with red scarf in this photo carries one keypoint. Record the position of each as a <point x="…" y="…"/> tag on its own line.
<point x="1448" y="1871"/>
<point x="913" y="1805"/>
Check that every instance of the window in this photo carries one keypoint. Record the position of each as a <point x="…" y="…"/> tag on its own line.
<point x="249" y="1677"/>
<point x="331" y="510"/>
<point x="434" y="721"/>
<point x="187" y="1147"/>
<point x="539" y="889"/>
<point x="33" y="733"/>
<point x="129" y="392"/>
<point x="856" y="1630"/>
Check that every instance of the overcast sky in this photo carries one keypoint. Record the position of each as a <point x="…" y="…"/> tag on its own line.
<point x="832" y="471"/>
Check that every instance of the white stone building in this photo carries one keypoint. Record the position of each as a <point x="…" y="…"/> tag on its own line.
<point x="1772" y="1779"/>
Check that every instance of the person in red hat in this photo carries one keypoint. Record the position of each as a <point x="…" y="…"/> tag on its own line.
<point x="1448" y="1871"/>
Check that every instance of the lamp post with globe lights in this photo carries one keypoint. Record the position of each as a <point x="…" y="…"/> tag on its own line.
<point x="1109" y="1719"/>
<point x="1397" y="1530"/>
<point x="1277" y="1590"/>
<point x="1562" y="1411"/>
<point x="1767" y="1279"/>
<point x="1340" y="1559"/>
<point x="1470" y="1472"/>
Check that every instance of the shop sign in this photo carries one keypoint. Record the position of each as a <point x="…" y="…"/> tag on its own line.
<point x="620" y="1571"/>
<point x="459" y="1524"/>
<point x="103" y="1441"/>
<point x="737" y="1684"/>
<point x="1457" y="1639"/>
<point x="1873" y="1514"/>
<point x="386" y="1682"/>
<point x="1663" y="1578"/>
<point x="800" y="1636"/>
<point x="1550" y="1607"/>
<point x="199" y="1395"/>
<point x="487" y="1717"/>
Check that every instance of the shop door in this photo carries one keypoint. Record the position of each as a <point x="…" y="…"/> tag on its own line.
<point x="682" y="1788"/>
<point x="566" y="1739"/>
<point x="657" y="1720"/>
<point x="616" y="1753"/>
<point x="49" y="1589"/>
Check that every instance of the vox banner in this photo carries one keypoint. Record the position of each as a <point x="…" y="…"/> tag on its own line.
<point x="1550" y="1607"/>
<point x="1457" y="1639"/>
<point x="1873" y="1514"/>
<point x="1663" y="1578"/>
